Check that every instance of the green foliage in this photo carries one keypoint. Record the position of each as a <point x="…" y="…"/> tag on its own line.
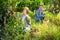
<point x="11" y="28"/>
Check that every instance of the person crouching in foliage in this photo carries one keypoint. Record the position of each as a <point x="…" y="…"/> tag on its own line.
<point x="39" y="16"/>
<point x="26" y="18"/>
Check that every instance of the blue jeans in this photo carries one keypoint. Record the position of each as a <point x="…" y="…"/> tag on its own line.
<point x="38" y="19"/>
<point x="27" y="28"/>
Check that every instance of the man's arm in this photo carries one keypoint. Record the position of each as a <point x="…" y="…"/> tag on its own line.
<point x="29" y="20"/>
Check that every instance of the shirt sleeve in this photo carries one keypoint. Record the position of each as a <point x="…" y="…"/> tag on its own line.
<point x="38" y="13"/>
<point x="29" y="20"/>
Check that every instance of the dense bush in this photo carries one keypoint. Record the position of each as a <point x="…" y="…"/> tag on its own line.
<point x="11" y="28"/>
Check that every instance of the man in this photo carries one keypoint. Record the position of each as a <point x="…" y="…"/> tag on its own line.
<point x="39" y="16"/>
<point x="26" y="18"/>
